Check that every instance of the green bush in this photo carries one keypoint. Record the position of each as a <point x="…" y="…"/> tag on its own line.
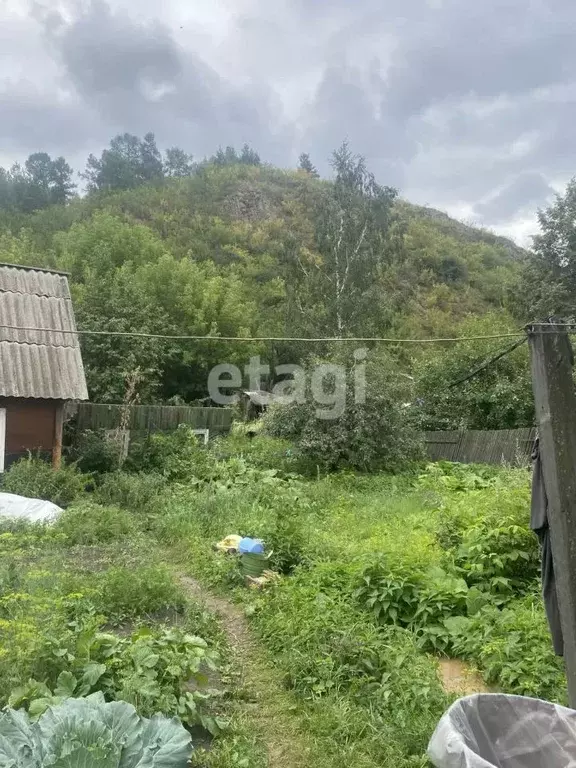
<point x="263" y="452"/>
<point x="452" y="476"/>
<point x="380" y="433"/>
<point x="94" y="452"/>
<point x="416" y="600"/>
<point x="499" y="556"/>
<point x="87" y="523"/>
<point x="176" y="455"/>
<point x="35" y="478"/>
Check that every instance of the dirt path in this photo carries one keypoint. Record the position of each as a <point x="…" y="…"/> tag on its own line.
<point x="269" y="709"/>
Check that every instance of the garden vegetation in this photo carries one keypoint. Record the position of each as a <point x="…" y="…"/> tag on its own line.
<point x="382" y="575"/>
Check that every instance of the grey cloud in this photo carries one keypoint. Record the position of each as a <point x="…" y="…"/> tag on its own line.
<point x="30" y="121"/>
<point x="436" y="94"/>
<point x="131" y="75"/>
<point x="106" y="54"/>
<point x="525" y="193"/>
<point x="344" y="109"/>
<point x="425" y="126"/>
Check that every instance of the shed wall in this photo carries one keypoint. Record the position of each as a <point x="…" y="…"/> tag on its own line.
<point x="30" y="426"/>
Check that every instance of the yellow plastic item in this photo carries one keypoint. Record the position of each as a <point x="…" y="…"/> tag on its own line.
<point x="230" y="543"/>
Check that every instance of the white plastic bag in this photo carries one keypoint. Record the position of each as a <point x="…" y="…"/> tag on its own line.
<point x="32" y="510"/>
<point x="498" y="731"/>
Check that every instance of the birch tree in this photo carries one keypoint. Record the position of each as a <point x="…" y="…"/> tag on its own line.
<point x="350" y="234"/>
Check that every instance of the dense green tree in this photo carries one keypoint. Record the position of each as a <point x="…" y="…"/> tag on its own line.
<point x="305" y="164"/>
<point x="548" y="285"/>
<point x="342" y="422"/>
<point x="50" y="179"/>
<point x="150" y="159"/>
<point x="177" y="164"/>
<point x="128" y="162"/>
<point x="249" y="156"/>
<point x="229" y="156"/>
<point x="40" y="183"/>
<point x="497" y="397"/>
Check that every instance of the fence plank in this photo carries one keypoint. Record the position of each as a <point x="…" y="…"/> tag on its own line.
<point x="496" y="446"/>
<point x="154" y="418"/>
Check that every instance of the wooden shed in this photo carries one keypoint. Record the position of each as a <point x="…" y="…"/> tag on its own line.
<point x="40" y="361"/>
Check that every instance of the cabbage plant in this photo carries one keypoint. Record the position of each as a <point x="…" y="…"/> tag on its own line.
<point x="92" y="733"/>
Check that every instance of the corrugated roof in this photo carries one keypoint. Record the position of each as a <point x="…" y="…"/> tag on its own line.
<point x="43" y="364"/>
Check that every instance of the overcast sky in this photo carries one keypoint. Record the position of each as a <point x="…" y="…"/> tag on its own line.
<point x="465" y="106"/>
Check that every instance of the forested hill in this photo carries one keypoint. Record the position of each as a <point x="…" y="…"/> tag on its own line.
<point x="241" y="248"/>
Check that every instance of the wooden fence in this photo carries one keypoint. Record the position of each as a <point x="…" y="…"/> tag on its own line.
<point x="510" y="446"/>
<point x="153" y="418"/>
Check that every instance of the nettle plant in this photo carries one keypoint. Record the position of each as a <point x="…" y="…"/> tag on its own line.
<point x="419" y="601"/>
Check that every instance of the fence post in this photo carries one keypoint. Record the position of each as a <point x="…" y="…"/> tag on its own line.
<point x="555" y="401"/>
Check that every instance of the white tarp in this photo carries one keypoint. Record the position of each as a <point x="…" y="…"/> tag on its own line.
<point x="494" y="730"/>
<point x="32" y="510"/>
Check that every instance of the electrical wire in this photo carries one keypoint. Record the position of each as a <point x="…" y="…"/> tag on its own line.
<point x="136" y="334"/>
<point x="488" y="362"/>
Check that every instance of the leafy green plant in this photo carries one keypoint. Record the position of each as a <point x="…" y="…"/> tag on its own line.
<point x="35" y="478"/>
<point x="125" y="593"/>
<point x="512" y="648"/>
<point x="417" y="601"/>
<point x="391" y="595"/>
<point x="376" y="433"/>
<point x="176" y="455"/>
<point x="92" y="732"/>
<point x="155" y="670"/>
<point x="93" y="452"/>
<point x="499" y="556"/>
<point x="452" y="476"/>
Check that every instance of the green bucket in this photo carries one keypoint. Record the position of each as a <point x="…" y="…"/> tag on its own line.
<point x="252" y="564"/>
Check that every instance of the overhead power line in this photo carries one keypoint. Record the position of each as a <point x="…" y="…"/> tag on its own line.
<point x="489" y="361"/>
<point x="171" y="337"/>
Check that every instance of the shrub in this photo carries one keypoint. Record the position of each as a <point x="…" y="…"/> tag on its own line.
<point x="263" y="452"/>
<point x="94" y="452"/>
<point x="35" y="478"/>
<point x="499" y="556"/>
<point x="88" y="523"/>
<point x="452" y="476"/>
<point x="418" y="601"/>
<point x="176" y="455"/>
<point x="380" y="433"/>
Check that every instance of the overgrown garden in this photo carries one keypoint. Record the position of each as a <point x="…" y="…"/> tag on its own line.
<point x="381" y="576"/>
